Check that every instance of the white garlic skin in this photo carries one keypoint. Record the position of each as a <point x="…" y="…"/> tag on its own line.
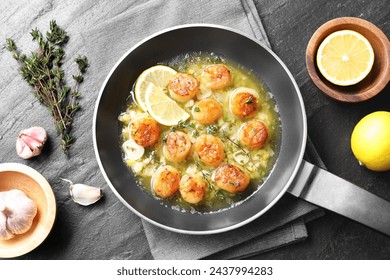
<point x="5" y="234"/>
<point x="30" y="142"/>
<point x="17" y="213"/>
<point x="83" y="194"/>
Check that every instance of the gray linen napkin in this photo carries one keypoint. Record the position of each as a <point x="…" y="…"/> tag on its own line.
<point x="108" y="41"/>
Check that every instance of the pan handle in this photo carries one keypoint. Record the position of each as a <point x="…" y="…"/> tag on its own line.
<point x="331" y="192"/>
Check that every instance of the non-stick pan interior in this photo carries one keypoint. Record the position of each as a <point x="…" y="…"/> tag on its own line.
<point x="167" y="45"/>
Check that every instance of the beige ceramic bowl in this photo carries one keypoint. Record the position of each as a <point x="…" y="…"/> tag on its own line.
<point x="376" y="80"/>
<point x="36" y="187"/>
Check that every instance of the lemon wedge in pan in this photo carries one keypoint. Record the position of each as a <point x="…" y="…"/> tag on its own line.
<point x="158" y="76"/>
<point x="162" y="108"/>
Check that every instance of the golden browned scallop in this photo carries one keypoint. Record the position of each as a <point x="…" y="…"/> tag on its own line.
<point x="230" y="178"/>
<point x="244" y="102"/>
<point x="166" y="181"/>
<point x="253" y="134"/>
<point x="192" y="188"/>
<point x="144" y="130"/>
<point x="183" y="87"/>
<point x="177" y="146"/>
<point x="216" y="76"/>
<point x="209" y="149"/>
<point x="207" y="111"/>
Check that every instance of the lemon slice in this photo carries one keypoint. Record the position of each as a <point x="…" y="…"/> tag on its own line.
<point x="345" y="57"/>
<point x="163" y="109"/>
<point x="158" y="75"/>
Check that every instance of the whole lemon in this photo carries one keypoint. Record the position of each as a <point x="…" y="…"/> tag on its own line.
<point x="370" y="141"/>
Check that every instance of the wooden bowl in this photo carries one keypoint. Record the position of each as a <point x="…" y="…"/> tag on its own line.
<point x="376" y="80"/>
<point x="35" y="186"/>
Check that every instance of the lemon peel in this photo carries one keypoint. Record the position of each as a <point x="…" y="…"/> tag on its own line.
<point x="370" y="141"/>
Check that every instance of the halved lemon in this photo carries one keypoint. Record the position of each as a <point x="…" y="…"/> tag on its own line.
<point x="162" y="108"/>
<point x="158" y="75"/>
<point x="345" y="57"/>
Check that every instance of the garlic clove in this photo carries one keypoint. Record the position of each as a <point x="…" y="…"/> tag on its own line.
<point x="36" y="132"/>
<point x="22" y="149"/>
<point x="83" y="194"/>
<point x="203" y="92"/>
<point x="240" y="157"/>
<point x="30" y="142"/>
<point x="17" y="213"/>
<point x="132" y="150"/>
<point x="5" y="234"/>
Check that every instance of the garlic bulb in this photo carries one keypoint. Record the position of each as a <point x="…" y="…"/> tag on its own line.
<point x="17" y="213"/>
<point x="30" y="142"/>
<point x="83" y="194"/>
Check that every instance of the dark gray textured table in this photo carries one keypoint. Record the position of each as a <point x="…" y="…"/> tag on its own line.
<point x="289" y="25"/>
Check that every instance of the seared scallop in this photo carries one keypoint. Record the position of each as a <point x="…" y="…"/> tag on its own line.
<point x="210" y="150"/>
<point x="216" y="76"/>
<point x="183" y="87"/>
<point x="253" y="134"/>
<point x="177" y="146"/>
<point x="207" y="111"/>
<point x="230" y="178"/>
<point x="166" y="181"/>
<point x="244" y="102"/>
<point x="192" y="188"/>
<point x="144" y="130"/>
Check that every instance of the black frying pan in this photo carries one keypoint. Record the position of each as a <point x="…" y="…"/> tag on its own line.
<point x="247" y="52"/>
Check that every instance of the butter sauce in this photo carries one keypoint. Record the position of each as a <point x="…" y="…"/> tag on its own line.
<point x="255" y="162"/>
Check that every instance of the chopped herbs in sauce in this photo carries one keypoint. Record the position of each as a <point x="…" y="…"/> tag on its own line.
<point x="255" y="162"/>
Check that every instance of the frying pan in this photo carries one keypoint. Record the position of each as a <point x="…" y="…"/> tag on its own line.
<point x="290" y="172"/>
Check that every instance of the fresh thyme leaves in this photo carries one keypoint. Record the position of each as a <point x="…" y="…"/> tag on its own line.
<point x="210" y="183"/>
<point x="165" y="138"/>
<point x="212" y="129"/>
<point x="182" y="125"/>
<point x="82" y="63"/>
<point x="219" y="194"/>
<point x="42" y="70"/>
<point x="249" y="100"/>
<point x="224" y="134"/>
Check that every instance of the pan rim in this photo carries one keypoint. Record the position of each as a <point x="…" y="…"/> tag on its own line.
<point x="246" y="221"/>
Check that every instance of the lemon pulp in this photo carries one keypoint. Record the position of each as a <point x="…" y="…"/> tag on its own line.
<point x="158" y="76"/>
<point x="162" y="108"/>
<point x="345" y="57"/>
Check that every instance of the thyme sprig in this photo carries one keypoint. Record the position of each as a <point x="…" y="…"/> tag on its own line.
<point x="42" y="70"/>
<point x="238" y="146"/>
